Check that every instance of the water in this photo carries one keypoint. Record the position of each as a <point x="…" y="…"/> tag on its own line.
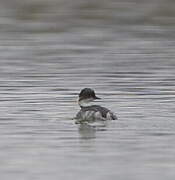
<point x="44" y="65"/>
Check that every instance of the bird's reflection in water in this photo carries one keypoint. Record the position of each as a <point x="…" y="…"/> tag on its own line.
<point x="88" y="131"/>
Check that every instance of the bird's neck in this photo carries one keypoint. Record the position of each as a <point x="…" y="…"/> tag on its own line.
<point x="86" y="103"/>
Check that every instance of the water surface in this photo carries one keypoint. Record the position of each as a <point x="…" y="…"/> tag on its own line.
<point x="44" y="65"/>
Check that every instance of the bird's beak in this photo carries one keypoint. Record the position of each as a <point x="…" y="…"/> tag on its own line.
<point x="97" y="97"/>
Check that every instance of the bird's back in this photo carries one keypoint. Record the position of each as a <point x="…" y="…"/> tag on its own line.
<point x="95" y="112"/>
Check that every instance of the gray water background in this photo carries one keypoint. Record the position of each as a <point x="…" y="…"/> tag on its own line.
<point x="49" y="51"/>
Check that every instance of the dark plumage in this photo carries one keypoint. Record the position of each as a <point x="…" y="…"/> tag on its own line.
<point x="87" y="93"/>
<point x="100" y="109"/>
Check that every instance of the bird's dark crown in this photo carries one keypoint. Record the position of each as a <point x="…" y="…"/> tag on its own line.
<point x="87" y="93"/>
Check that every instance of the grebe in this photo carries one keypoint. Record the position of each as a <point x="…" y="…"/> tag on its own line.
<point x="89" y="112"/>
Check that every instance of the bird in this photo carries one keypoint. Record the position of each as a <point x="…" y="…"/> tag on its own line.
<point x="89" y="112"/>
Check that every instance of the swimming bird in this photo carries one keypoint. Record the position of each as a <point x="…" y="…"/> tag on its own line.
<point x="90" y="112"/>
